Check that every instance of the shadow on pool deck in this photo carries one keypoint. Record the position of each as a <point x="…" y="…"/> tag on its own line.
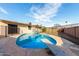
<point x="8" y="47"/>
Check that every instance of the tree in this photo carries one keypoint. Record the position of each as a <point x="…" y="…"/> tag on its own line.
<point x="29" y="26"/>
<point x="44" y="29"/>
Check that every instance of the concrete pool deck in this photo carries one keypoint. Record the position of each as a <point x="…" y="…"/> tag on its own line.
<point x="9" y="47"/>
<point x="70" y="48"/>
<point x="58" y="50"/>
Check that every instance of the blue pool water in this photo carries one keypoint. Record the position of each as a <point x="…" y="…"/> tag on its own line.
<point x="33" y="40"/>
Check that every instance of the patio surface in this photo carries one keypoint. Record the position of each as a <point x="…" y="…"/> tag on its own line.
<point x="9" y="47"/>
<point x="69" y="45"/>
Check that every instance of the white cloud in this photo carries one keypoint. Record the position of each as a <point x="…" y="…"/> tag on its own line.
<point x="3" y="10"/>
<point x="44" y="14"/>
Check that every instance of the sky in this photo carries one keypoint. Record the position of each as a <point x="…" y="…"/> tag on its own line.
<point x="46" y="14"/>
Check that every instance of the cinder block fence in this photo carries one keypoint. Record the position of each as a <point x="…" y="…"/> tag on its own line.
<point x="72" y="33"/>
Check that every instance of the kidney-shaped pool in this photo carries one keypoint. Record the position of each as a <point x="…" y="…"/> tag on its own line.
<point x="34" y="40"/>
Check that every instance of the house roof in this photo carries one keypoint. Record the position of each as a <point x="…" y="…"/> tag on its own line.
<point x="12" y="22"/>
<point x="17" y="23"/>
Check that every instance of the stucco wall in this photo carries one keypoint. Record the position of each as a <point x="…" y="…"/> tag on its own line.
<point x="36" y="29"/>
<point x="3" y="24"/>
<point x="3" y="29"/>
<point x="23" y="29"/>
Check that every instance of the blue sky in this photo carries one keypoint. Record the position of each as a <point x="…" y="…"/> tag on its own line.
<point x="46" y="14"/>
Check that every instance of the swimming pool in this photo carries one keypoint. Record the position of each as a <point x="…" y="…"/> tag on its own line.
<point x="34" y="40"/>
